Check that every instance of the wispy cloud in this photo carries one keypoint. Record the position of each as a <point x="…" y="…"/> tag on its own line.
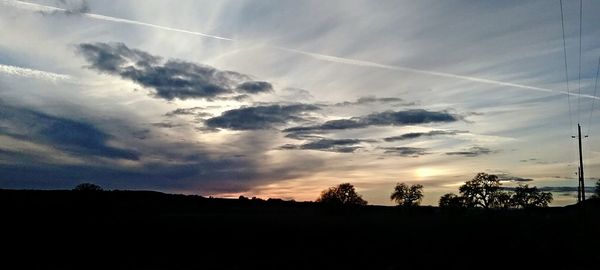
<point x="406" y="151"/>
<point x="387" y="118"/>
<point x="318" y="56"/>
<point x="414" y="135"/>
<point x="32" y="73"/>
<point x="474" y="151"/>
<point x="329" y="145"/>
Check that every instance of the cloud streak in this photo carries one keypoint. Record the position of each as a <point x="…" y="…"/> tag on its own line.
<point x="329" y="145"/>
<point x="474" y="151"/>
<point x="387" y="118"/>
<point x="405" y="151"/>
<point x="317" y="56"/>
<point x="415" y="135"/>
<point x="32" y="73"/>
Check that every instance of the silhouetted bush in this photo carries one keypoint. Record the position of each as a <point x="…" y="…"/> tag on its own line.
<point x="344" y="194"/>
<point x="452" y="201"/>
<point x="407" y="196"/>
<point x="87" y="187"/>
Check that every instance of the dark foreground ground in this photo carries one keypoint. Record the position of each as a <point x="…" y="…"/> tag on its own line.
<point x="150" y="230"/>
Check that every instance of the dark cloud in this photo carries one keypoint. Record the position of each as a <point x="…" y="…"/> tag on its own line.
<point x="167" y="125"/>
<point x="406" y="151"/>
<point x="302" y="136"/>
<point x="372" y="99"/>
<point x="170" y="165"/>
<point x="330" y="145"/>
<point x="388" y="118"/>
<point x="255" y="87"/>
<point x="76" y="137"/>
<point x="171" y="79"/>
<point x="472" y="152"/>
<point x="414" y="135"/>
<point x="239" y="98"/>
<point x="512" y="178"/>
<point x="534" y="160"/>
<point x="194" y="111"/>
<point x="259" y="117"/>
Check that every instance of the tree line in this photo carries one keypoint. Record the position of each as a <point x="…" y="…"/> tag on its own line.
<point x="483" y="191"/>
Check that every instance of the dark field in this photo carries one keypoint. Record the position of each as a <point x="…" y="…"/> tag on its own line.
<point x="150" y="230"/>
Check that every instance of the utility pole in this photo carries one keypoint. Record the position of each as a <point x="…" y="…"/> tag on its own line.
<point x="581" y="195"/>
<point x="578" y="185"/>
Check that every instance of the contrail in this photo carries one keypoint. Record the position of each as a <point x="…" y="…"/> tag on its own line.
<point x="321" y="57"/>
<point x="38" y="7"/>
<point x="32" y="73"/>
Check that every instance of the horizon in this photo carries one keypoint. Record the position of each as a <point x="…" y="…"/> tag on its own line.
<point x="260" y="99"/>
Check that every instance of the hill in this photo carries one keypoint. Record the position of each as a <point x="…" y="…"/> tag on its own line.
<point x="152" y="230"/>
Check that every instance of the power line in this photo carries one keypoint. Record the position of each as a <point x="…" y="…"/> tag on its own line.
<point x="562" y="23"/>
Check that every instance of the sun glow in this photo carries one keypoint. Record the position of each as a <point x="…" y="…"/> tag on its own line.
<point x="424" y="172"/>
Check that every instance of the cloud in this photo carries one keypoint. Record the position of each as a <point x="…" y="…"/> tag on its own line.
<point x="259" y="117"/>
<point x="512" y="178"/>
<point x="74" y="6"/>
<point x="166" y="125"/>
<point x="414" y="135"/>
<point x="75" y="137"/>
<point x="314" y="55"/>
<point x="173" y="79"/>
<point x="56" y="152"/>
<point x="472" y="152"/>
<point x="64" y="7"/>
<point x="295" y="94"/>
<point x="329" y="145"/>
<point x="372" y="99"/>
<point x="32" y="73"/>
<point x="198" y="112"/>
<point x="405" y="151"/>
<point x="388" y="118"/>
<point x="255" y="87"/>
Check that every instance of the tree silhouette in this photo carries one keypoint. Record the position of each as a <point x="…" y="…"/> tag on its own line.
<point x="407" y="196"/>
<point x="343" y="194"/>
<point x="480" y="191"/>
<point x="87" y="187"/>
<point x="529" y="197"/>
<point x="502" y="199"/>
<point x="452" y="201"/>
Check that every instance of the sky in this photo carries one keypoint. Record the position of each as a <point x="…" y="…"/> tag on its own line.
<point x="283" y="99"/>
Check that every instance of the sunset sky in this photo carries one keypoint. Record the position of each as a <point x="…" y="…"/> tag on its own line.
<point x="286" y="98"/>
